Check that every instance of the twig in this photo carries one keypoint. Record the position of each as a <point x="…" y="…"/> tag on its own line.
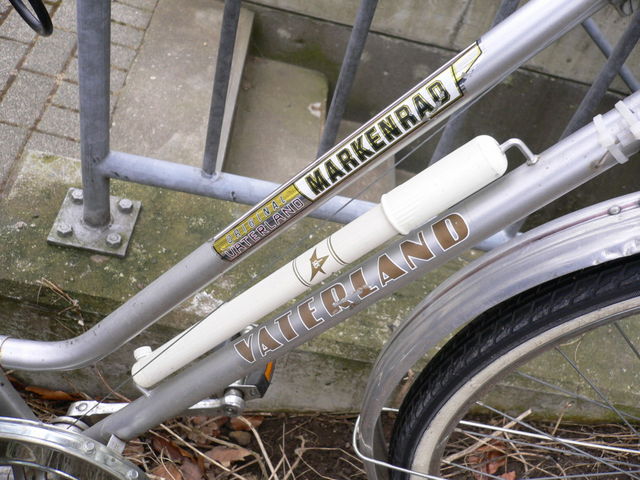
<point x="199" y="453"/>
<point x="293" y="466"/>
<point x="274" y="474"/>
<point x="219" y="441"/>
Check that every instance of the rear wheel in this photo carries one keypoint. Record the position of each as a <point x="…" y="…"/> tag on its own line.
<point x="545" y="385"/>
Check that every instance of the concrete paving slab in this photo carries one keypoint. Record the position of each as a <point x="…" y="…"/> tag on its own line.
<point x="12" y="52"/>
<point x="11" y="140"/>
<point x="24" y="101"/>
<point x="135" y="17"/>
<point x="50" y="54"/>
<point x="52" y="143"/>
<point x="61" y="121"/>
<point x="15" y="29"/>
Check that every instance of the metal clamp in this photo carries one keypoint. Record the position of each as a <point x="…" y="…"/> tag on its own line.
<point x="531" y="157"/>
<point x="608" y="140"/>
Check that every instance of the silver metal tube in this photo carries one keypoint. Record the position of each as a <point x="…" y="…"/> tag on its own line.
<point x="174" y="286"/>
<point x="449" y="138"/>
<point x="605" y="47"/>
<point x="348" y="70"/>
<point x="560" y="169"/>
<point x="599" y="87"/>
<point x="94" y="42"/>
<point x="228" y="31"/>
<point x="223" y="186"/>
<point x="508" y="45"/>
<point x="11" y="403"/>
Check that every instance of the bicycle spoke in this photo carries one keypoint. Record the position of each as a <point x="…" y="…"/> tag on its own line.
<point x="573" y="395"/>
<point x="542" y="437"/>
<point x="627" y="339"/>
<point x="596" y="389"/>
<point x="553" y="438"/>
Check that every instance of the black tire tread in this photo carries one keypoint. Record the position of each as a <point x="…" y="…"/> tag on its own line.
<point x="499" y="330"/>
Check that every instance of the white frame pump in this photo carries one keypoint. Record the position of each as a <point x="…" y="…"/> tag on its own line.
<point x="444" y="211"/>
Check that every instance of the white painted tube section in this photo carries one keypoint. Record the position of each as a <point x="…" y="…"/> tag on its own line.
<point x="452" y="179"/>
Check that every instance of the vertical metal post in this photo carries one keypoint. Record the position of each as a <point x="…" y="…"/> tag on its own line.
<point x="347" y="74"/>
<point x="94" y="39"/>
<point x="605" y="47"/>
<point x="447" y="141"/>
<point x="599" y="87"/>
<point x="230" y="18"/>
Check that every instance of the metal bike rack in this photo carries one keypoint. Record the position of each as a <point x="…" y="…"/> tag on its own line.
<point x="91" y="218"/>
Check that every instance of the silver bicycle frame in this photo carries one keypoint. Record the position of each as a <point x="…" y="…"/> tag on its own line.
<point x="566" y="165"/>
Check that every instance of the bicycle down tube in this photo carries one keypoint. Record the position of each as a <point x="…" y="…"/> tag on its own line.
<point x="558" y="170"/>
<point x="465" y="78"/>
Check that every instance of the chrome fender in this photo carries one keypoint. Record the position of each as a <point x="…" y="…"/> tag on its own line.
<point x="585" y="238"/>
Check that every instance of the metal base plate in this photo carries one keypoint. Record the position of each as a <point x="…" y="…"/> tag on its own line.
<point x="70" y="230"/>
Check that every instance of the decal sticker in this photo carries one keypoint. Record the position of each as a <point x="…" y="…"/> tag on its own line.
<point x="413" y="252"/>
<point x="424" y="102"/>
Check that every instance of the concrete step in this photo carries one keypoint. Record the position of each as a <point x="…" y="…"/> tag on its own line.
<point x="280" y="116"/>
<point x="164" y="108"/>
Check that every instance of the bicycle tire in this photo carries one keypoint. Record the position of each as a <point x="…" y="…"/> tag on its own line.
<point x="495" y="351"/>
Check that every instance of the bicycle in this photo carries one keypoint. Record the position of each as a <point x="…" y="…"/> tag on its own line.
<point x="550" y="286"/>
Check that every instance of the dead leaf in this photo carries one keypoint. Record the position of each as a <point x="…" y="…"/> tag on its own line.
<point x="47" y="394"/>
<point x="167" y="471"/>
<point x="509" y="475"/>
<point x="191" y="471"/>
<point x="173" y="451"/>
<point x="495" y="461"/>
<point x="237" y="424"/>
<point x="226" y="455"/>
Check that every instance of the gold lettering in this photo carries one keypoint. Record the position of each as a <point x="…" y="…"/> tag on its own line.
<point x="360" y="285"/>
<point x="411" y="250"/>
<point x="334" y="299"/>
<point x="284" y="323"/>
<point x="243" y="347"/>
<point x="306" y="312"/>
<point x="450" y="231"/>
<point x="388" y="271"/>
<point x="266" y="342"/>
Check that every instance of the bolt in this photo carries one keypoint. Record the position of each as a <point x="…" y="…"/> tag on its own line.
<point x="614" y="210"/>
<point x="64" y="229"/>
<point x="82" y="407"/>
<point x="132" y="474"/>
<point x="77" y="196"/>
<point x="114" y="240"/>
<point x="125" y="205"/>
<point x="88" y="447"/>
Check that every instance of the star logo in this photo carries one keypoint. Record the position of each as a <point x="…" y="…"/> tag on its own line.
<point x="316" y="264"/>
